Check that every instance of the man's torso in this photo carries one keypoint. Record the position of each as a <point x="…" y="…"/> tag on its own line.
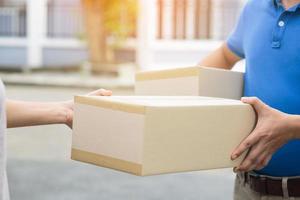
<point x="270" y="44"/>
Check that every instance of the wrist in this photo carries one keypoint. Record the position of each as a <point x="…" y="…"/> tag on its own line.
<point x="67" y="113"/>
<point x="61" y="113"/>
<point x="294" y="126"/>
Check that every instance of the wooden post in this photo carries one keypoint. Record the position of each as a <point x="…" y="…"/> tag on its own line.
<point x="160" y="12"/>
<point x="184" y="7"/>
<point x="175" y="18"/>
<point x="197" y="19"/>
<point x="95" y="31"/>
<point x="203" y="19"/>
<point x="209" y="21"/>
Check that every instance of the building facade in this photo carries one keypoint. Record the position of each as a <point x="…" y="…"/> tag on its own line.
<point x="41" y="33"/>
<point x="49" y="33"/>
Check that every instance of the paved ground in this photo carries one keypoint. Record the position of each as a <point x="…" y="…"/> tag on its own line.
<point x="39" y="167"/>
<point x="81" y="78"/>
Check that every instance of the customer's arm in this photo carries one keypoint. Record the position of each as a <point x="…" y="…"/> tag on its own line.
<point x="273" y="130"/>
<point x="21" y="113"/>
<point x="222" y="57"/>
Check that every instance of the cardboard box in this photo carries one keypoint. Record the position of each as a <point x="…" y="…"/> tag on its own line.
<point x="191" y="81"/>
<point x="154" y="135"/>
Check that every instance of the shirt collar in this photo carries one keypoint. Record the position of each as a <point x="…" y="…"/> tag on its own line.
<point x="277" y="4"/>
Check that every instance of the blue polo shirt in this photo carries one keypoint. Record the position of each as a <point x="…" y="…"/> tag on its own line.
<point x="268" y="37"/>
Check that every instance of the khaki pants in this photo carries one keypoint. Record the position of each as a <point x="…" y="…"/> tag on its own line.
<point x="242" y="191"/>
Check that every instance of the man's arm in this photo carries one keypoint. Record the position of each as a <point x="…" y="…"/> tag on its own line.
<point x="222" y="57"/>
<point x="21" y="113"/>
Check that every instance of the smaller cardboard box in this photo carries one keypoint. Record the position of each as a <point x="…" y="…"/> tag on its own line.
<point x="154" y="135"/>
<point x="191" y="81"/>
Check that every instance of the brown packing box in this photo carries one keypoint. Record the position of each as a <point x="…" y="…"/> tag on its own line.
<point x="190" y="81"/>
<point x="155" y="135"/>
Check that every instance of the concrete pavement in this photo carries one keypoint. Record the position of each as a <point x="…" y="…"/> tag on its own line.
<point x="71" y="79"/>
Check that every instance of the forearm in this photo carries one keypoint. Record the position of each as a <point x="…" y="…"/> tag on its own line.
<point x="20" y="113"/>
<point x="220" y="58"/>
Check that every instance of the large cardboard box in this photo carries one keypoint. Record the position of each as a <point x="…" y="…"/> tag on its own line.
<point x="191" y="81"/>
<point x="154" y="135"/>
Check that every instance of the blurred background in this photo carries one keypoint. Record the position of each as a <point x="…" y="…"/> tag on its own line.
<point x="51" y="50"/>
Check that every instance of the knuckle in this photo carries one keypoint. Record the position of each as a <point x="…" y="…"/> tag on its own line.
<point x="247" y="144"/>
<point x="241" y="168"/>
<point x="251" y="160"/>
<point x="259" y="167"/>
<point x="265" y="162"/>
<point x="261" y="163"/>
<point x="264" y="134"/>
<point x="268" y="136"/>
<point x="245" y="167"/>
<point x="255" y="99"/>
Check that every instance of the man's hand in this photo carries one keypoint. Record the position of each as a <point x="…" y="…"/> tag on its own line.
<point x="69" y="105"/>
<point x="273" y="130"/>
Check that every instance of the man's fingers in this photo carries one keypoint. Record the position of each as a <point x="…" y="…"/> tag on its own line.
<point x="251" y="140"/>
<point x="263" y="162"/>
<point x="253" y="137"/>
<point x="100" y="92"/>
<point x="255" y="102"/>
<point x="253" y="158"/>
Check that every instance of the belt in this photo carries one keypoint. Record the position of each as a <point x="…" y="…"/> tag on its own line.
<point x="273" y="186"/>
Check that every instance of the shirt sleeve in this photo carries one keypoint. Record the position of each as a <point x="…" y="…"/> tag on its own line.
<point x="236" y="38"/>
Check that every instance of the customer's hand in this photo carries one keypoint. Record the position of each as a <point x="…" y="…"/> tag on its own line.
<point x="69" y="105"/>
<point x="273" y="130"/>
